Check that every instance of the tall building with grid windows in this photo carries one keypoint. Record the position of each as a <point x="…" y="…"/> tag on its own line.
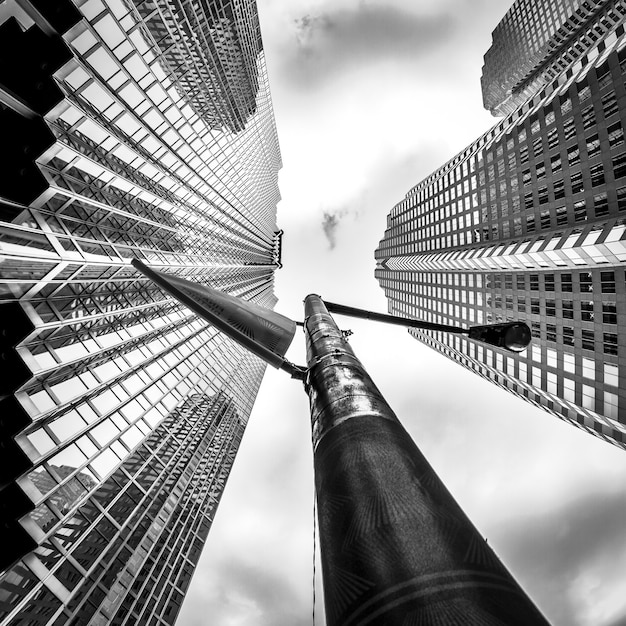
<point x="529" y="222"/>
<point x="131" y="129"/>
<point x="535" y="42"/>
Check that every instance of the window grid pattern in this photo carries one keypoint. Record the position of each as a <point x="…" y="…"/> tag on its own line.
<point x="528" y="223"/>
<point x="165" y="149"/>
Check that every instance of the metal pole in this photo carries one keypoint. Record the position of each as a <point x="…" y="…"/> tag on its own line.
<point x="396" y="548"/>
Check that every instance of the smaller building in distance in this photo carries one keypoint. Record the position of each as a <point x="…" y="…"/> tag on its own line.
<point x="529" y="222"/>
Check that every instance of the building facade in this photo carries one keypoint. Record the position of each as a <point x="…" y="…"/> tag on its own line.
<point x="529" y="223"/>
<point x="535" y="42"/>
<point x="132" y="129"/>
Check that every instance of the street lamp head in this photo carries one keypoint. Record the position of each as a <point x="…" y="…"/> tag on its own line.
<point x="512" y="336"/>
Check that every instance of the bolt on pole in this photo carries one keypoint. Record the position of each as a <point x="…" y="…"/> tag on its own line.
<point x="396" y="548"/>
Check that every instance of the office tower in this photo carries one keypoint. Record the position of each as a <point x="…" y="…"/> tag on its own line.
<point x="528" y="222"/>
<point x="141" y="130"/>
<point x="535" y="42"/>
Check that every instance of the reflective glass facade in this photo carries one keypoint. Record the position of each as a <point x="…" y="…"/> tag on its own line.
<point x="529" y="222"/>
<point x="132" y="130"/>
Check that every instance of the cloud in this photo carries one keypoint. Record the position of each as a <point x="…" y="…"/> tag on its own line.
<point x="330" y="223"/>
<point x="573" y="551"/>
<point x="335" y="40"/>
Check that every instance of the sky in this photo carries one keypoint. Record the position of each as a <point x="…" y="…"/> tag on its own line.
<point x="370" y="97"/>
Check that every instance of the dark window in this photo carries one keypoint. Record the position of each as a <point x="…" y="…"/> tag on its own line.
<point x="588" y="117"/>
<point x="588" y="340"/>
<point x="568" y="309"/>
<point x="569" y="129"/>
<point x="610" y="343"/>
<point x="534" y="306"/>
<point x="549" y="282"/>
<point x="593" y="146"/>
<point x="534" y="282"/>
<point x="616" y="135"/>
<point x="550" y="332"/>
<point x="586" y="311"/>
<point x="600" y="204"/>
<point x="621" y="198"/>
<point x="544" y="217"/>
<point x="573" y="156"/>
<point x="566" y="282"/>
<point x="609" y="104"/>
<point x="551" y="308"/>
<point x="608" y="282"/>
<point x="586" y="284"/>
<point x="609" y="313"/>
<point x="580" y="211"/>
<point x="553" y="138"/>
<point x="577" y="182"/>
<point x="568" y="336"/>
<point x="597" y="174"/>
<point x="521" y="281"/>
<point x="619" y="165"/>
<point x="561" y="215"/>
<point x="555" y="163"/>
<point x="541" y="170"/>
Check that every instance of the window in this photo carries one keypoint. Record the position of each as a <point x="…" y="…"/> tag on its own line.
<point x="553" y="138"/>
<point x="549" y="282"/>
<point x="609" y="313"/>
<point x="588" y="117"/>
<point x="566" y="282"/>
<point x="573" y="156"/>
<point x="610" y="343"/>
<point x="550" y="332"/>
<point x="568" y="309"/>
<point x="593" y="146"/>
<point x="589" y="340"/>
<point x="608" y="282"/>
<point x="619" y="165"/>
<point x="600" y="204"/>
<point x="577" y="182"/>
<point x="586" y="311"/>
<point x="555" y="163"/>
<point x="586" y="284"/>
<point x="534" y="282"/>
<point x="621" y="198"/>
<point x="566" y="106"/>
<point x="551" y="308"/>
<point x="609" y="104"/>
<point x="584" y="93"/>
<point x="611" y="375"/>
<point x="569" y="129"/>
<point x="616" y="135"/>
<point x="580" y="211"/>
<point x="597" y="174"/>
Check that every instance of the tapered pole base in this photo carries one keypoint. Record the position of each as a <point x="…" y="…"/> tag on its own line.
<point x="396" y="548"/>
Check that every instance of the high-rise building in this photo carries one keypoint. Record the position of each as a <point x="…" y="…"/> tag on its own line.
<point x="131" y="129"/>
<point x="535" y="42"/>
<point x="529" y="222"/>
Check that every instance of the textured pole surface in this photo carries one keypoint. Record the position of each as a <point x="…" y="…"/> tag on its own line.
<point x="396" y="548"/>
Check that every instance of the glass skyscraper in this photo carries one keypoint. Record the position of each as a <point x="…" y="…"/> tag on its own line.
<point x="131" y="129"/>
<point x="529" y="222"/>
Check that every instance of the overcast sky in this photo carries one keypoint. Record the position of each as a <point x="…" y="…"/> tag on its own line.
<point x="370" y="97"/>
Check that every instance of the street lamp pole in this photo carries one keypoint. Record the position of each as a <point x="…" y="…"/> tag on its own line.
<point x="396" y="548"/>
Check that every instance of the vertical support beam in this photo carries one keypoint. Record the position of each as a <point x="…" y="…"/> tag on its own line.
<point x="396" y="548"/>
